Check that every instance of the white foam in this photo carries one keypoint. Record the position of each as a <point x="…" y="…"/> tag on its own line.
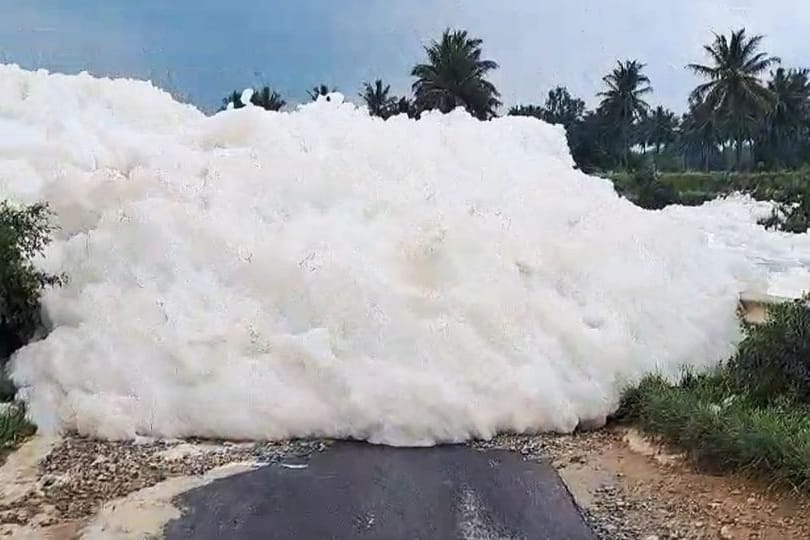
<point x="732" y="224"/>
<point x="324" y="273"/>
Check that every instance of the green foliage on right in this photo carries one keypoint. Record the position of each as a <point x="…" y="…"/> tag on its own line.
<point x="722" y="431"/>
<point x="773" y="361"/>
<point x="752" y="414"/>
<point x="792" y="212"/>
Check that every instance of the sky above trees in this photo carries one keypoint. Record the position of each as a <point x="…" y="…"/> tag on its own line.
<point x="203" y="49"/>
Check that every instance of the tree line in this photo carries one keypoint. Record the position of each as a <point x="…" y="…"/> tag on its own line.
<point x="746" y="112"/>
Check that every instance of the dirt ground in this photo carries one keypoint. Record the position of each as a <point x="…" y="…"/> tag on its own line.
<point x="631" y="488"/>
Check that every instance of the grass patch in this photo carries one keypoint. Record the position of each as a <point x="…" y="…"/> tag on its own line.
<point x="752" y="414"/>
<point x="722" y="431"/>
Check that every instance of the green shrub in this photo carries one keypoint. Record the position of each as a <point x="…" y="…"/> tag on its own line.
<point x="750" y="414"/>
<point x="24" y="233"/>
<point x="729" y="433"/>
<point x="645" y="189"/>
<point x="773" y="361"/>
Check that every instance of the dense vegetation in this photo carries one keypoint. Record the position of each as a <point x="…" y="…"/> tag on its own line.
<point x="751" y="414"/>
<point x="24" y="233"/>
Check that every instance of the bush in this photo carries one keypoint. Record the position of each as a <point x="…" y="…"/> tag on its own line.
<point x="750" y="414"/>
<point x="24" y="233"/>
<point x="645" y="190"/>
<point x="773" y="361"/>
<point x="722" y="431"/>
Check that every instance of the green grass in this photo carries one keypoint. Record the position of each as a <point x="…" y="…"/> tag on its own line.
<point x="724" y="431"/>
<point x="14" y="426"/>
<point x="752" y="414"/>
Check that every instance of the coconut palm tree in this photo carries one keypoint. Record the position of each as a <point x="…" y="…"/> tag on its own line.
<point x="734" y="89"/>
<point x="660" y="128"/>
<point x="267" y="99"/>
<point x="319" y="90"/>
<point x="623" y="101"/>
<point x="455" y="76"/>
<point x="377" y="98"/>
<point x="786" y="122"/>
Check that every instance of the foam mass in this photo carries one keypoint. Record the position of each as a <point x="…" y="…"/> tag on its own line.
<point x="261" y="275"/>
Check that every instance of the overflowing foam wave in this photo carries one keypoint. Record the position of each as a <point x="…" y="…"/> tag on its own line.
<point x="260" y="275"/>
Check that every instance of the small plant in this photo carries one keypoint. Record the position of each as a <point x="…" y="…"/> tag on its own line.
<point x="24" y="233"/>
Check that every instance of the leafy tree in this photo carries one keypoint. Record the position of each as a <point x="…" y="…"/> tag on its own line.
<point x="593" y="142"/>
<point x="24" y="233"/>
<point x="623" y="100"/>
<point x="734" y="90"/>
<point x="378" y="99"/>
<point x="455" y="76"/>
<point x="319" y="90"/>
<point x="561" y="108"/>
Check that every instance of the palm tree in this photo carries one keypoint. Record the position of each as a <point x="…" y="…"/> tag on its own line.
<point x="455" y="76"/>
<point x="319" y="90"/>
<point x="700" y="131"/>
<point x="734" y="89"/>
<point x="623" y="101"/>
<point x="786" y="122"/>
<point x="267" y="99"/>
<point x="378" y="100"/>
<point x="661" y="128"/>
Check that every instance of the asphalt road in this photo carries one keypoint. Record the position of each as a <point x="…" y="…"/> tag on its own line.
<point x="360" y="491"/>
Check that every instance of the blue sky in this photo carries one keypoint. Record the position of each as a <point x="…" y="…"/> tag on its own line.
<point x="201" y="49"/>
